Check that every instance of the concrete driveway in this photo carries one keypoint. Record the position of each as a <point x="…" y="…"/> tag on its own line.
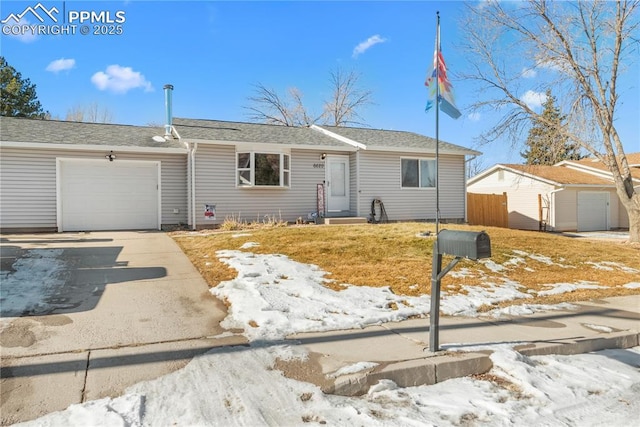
<point x="85" y="315"/>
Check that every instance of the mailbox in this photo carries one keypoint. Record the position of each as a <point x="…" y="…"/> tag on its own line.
<point x="466" y="244"/>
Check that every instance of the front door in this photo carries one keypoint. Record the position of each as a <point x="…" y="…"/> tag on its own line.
<point x="337" y="183"/>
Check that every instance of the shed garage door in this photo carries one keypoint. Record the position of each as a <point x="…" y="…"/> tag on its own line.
<point x="593" y="211"/>
<point x="102" y="195"/>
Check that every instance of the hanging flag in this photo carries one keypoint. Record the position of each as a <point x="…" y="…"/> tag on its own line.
<point x="438" y="84"/>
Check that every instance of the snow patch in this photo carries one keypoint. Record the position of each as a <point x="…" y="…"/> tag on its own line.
<point x="353" y="369"/>
<point x="35" y="278"/>
<point x="561" y="288"/>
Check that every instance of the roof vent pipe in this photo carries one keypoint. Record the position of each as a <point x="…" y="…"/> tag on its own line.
<point x="168" y="105"/>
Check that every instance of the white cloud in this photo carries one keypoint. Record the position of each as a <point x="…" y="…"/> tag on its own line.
<point x="61" y="64"/>
<point x="365" y="45"/>
<point x="528" y="73"/>
<point x="533" y="99"/>
<point x="120" y="79"/>
<point x="474" y="117"/>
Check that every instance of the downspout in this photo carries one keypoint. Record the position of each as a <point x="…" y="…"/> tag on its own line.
<point x="357" y="181"/>
<point x="192" y="156"/>
<point x="465" y="187"/>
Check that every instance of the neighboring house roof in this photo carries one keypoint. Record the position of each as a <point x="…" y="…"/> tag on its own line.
<point x="223" y="131"/>
<point x="553" y="175"/>
<point x="561" y="176"/>
<point x="394" y="140"/>
<point x="24" y="130"/>
<point x="632" y="158"/>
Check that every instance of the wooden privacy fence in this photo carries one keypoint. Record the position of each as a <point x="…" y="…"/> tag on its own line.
<point x="487" y="209"/>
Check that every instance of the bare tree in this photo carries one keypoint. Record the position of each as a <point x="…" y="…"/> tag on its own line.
<point x="269" y="107"/>
<point x="347" y="99"/>
<point x="474" y="167"/>
<point x="579" y="49"/>
<point x="91" y="113"/>
<point x="342" y="109"/>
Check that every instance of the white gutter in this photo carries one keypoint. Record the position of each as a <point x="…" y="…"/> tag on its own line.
<point x="89" y="147"/>
<point x="466" y="216"/>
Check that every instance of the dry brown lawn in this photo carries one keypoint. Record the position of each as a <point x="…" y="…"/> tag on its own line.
<point x="394" y="255"/>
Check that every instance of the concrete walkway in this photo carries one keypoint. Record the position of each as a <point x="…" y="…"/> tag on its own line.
<point x="114" y="309"/>
<point x="131" y="307"/>
<point x="401" y="349"/>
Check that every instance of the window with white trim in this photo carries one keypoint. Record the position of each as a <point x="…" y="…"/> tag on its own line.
<point x="418" y="173"/>
<point x="254" y="169"/>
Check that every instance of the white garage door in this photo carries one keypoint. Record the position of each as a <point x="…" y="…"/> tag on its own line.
<point x="102" y="195"/>
<point x="593" y="211"/>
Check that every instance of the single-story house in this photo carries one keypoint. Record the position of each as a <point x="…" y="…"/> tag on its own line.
<point x="71" y="176"/>
<point x="569" y="196"/>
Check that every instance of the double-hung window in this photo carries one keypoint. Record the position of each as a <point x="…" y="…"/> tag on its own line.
<point x="254" y="169"/>
<point x="418" y="173"/>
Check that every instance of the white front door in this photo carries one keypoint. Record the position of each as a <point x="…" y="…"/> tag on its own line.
<point x="337" y="183"/>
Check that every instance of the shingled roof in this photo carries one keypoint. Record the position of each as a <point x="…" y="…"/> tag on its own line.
<point x="373" y="139"/>
<point x="19" y="129"/>
<point x="381" y="139"/>
<point x="632" y="158"/>
<point x="223" y="131"/>
<point x="24" y="130"/>
<point x="560" y="175"/>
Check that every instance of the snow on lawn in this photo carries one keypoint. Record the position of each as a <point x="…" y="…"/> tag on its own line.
<point x="274" y="296"/>
<point x="240" y="387"/>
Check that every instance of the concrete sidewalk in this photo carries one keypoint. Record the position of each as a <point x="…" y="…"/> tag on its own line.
<point x="149" y="321"/>
<point x="402" y="353"/>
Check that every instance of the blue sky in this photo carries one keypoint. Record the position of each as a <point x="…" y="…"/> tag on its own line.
<point x="214" y="52"/>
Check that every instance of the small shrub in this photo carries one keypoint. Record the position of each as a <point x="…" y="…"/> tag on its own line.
<point x="233" y="223"/>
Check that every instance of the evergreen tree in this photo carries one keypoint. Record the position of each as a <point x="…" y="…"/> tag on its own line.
<point x="546" y="145"/>
<point x="18" y="96"/>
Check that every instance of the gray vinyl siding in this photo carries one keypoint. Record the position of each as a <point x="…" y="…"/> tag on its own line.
<point x="380" y="177"/>
<point x="216" y="184"/>
<point x="28" y="185"/>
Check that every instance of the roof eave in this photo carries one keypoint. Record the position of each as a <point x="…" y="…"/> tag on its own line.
<point x="92" y="147"/>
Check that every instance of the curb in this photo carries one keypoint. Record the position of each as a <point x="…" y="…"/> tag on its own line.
<point x="442" y="366"/>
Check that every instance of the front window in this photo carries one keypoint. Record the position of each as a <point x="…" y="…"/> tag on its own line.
<point x="263" y="169"/>
<point x="418" y="173"/>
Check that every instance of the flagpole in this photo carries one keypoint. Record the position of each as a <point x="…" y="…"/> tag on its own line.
<point x="437" y="64"/>
<point x="436" y="265"/>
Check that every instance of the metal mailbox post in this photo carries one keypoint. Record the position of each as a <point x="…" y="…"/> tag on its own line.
<point x="461" y="244"/>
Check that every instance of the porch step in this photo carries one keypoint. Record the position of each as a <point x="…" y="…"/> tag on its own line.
<point x="345" y="220"/>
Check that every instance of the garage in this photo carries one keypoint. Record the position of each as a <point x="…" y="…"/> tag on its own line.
<point x="593" y="210"/>
<point x="107" y="195"/>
